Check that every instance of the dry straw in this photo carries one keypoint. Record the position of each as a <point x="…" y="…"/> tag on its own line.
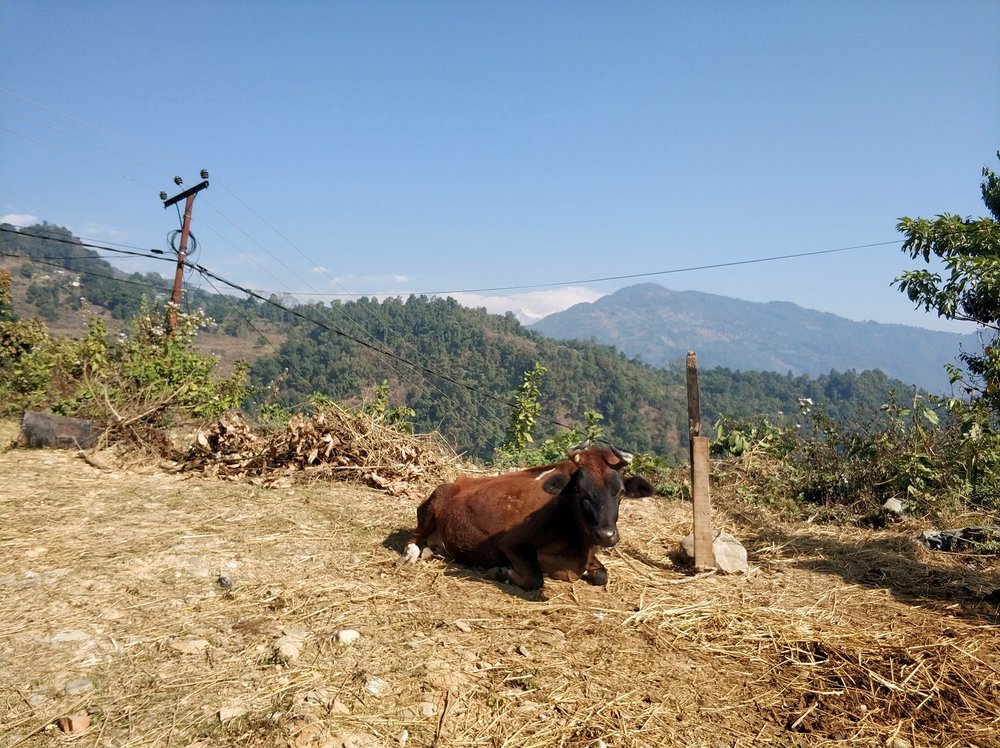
<point x="205" y="612"/>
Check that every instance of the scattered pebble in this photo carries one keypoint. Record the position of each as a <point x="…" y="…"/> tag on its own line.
<point x="77" y="685"/>
<point x="463" y="627"/>
<point x="286" y="649"/>
<point x="404" y="737"/>
<point x="37" y="699"/>
<point x="347" y="636"/>
<point x="189" y="645"/>
<point x="231" y="712"/>
<point x="427" y="708"/>
<point x="294" y="632"/>
<point x="376" y="686"/>
<point x="74" y="723"/>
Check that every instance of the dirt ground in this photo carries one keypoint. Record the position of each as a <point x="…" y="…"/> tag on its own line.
<point x="168" y="610"/>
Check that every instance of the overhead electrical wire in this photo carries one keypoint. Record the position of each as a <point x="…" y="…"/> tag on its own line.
<point x="632" y="276"/>
<point x="91" y="273"/>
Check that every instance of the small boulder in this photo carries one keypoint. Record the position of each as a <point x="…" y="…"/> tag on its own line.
<point x="893" y="506"/>
<point x="730" y="555"/>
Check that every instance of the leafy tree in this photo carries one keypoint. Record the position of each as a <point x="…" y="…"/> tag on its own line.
<point x="526" y="410"/>
<point x="6" y="307"/>
<point x="970" y="290"/>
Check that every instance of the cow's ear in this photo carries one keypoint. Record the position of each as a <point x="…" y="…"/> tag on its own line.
<point x="555" y="483"/>
<point x="637" y="487"/>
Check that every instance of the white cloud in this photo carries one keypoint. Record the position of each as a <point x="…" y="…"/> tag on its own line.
<point x="19" y="219"/>
<point x="530" y="306"/>
<point x="319" y="270"/>
<point x="96" y="231"/>
<point x="354" y="281"/>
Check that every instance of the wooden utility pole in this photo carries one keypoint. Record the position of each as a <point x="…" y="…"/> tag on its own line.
<point x="704" y="556"/>
<point x="188" y="196"/>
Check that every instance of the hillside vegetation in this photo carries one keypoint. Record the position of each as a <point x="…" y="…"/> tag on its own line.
<point x="453" y="367"/>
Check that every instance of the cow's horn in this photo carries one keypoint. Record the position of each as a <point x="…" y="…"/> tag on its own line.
<point x="574" y="452"/>
<point x="625" y="457"/>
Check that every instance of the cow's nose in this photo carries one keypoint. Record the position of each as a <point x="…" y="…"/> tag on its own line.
<point x="606" y="535"/>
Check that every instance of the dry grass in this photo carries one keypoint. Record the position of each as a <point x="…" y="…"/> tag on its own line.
<point x="847" y="636"/>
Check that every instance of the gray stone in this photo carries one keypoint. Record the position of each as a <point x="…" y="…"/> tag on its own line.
<point x="730" y="555"/>
<point x="286" y="649"/>
<point x="893" y="506"/>
<point x="77" y="685"/>
<point x="376" y="686"/>
<point x="45" y="430"/>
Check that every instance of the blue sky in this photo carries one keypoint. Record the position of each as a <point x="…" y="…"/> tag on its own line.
<point x="405" y="147"/>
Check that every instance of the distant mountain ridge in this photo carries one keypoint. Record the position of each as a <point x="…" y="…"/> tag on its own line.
<point x="659" y="326"/>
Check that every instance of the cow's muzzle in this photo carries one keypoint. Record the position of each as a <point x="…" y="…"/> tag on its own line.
<point x="606" y="536"/>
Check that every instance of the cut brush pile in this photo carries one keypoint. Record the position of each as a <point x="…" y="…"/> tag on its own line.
<point x="333" y="442"/>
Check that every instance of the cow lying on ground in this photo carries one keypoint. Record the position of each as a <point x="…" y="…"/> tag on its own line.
<point x="549" y="520"/>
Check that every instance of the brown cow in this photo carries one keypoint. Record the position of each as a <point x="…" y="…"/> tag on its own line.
<point x="549" y="520"/>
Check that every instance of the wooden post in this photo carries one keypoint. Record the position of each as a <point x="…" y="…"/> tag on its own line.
<point x="704" y="556"/>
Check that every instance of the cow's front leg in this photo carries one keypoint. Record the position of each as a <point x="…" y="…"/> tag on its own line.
<point x="524" y="570"/>
<point x="597" y="573"/>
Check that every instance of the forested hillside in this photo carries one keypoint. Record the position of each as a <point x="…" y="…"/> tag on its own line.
<point x="454" y="367"/>
<point x="461" y="364"/>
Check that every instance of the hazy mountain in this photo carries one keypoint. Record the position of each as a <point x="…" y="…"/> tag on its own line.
<point x="660" y="326"/>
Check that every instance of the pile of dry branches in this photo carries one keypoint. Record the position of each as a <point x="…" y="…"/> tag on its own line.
<point x="334" y="441"/>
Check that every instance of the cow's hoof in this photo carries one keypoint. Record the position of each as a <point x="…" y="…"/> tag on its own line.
<point x="411" y="553"/>
<point x="498" y="573"/>
<point x="598" y="578"/>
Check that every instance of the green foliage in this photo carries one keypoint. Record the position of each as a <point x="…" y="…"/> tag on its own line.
<point x="168" y="368"/>
<point x="594" y="428"/>
<point x="969" y="249"/>
<point x="377" y="406"/>
<point x="934" y="454"/>
<point x="28" y="358"/>
<point x="526" y="409"/>
<point x="147" y="377"/>
<point x="6" y="307"/>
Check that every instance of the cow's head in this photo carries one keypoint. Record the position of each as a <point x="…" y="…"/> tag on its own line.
<point x="595" y="486"/>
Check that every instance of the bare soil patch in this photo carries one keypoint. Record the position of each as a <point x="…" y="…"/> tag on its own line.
<point x="181" y="610"/>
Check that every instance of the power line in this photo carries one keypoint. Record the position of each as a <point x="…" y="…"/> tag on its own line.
<point x="76" y="242"/>
<point x="88" y="272"/>
<point x="672" y="271"/>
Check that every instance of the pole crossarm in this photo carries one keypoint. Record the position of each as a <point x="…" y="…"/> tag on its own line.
<point x="187" y="193"/>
